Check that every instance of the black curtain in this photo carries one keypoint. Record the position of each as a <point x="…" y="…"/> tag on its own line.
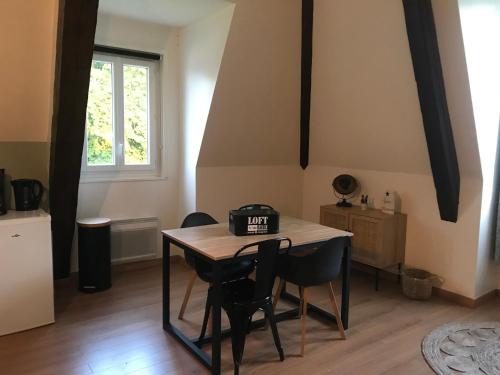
<point x="75" y="42"/>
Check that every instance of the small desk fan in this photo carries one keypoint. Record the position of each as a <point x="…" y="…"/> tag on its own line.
<point x="344" y="187"/>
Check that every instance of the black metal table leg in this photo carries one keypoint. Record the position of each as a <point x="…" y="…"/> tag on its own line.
<point x="167" y="325"/>
<point x="216" y="319"/>
<point x="346" y="286"/>
<point x="166" y="282"/>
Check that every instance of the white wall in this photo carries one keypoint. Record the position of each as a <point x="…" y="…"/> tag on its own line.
<point x="28" y="36"/>
<point x="152" y="198"/>
<point x="250" y="149"/>
<point x="220" y="189"/>
<point x="481" y="33"/>
<point x="365" y="107"/>
<point x="28" y="32"/>
<point x="366" y="121"/>
<point x="254" y="119"/>
<point x="201" y="49"/>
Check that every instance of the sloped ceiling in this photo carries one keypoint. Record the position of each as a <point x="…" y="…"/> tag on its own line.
<point x="365" y="109"/>
<point x="254" y="118"/>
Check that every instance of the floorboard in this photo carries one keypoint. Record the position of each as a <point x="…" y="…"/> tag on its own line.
<point x="119" y="331"/>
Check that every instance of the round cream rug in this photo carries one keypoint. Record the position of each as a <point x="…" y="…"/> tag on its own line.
<point x="464" y="348"/>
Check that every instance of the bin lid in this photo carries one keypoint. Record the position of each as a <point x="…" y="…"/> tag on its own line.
<point x="93" y="222"/>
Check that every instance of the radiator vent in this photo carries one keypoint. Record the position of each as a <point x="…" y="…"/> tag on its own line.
<point x="134" y="239"/>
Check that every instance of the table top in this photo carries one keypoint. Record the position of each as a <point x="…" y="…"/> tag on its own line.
<point x="217" y="242"/>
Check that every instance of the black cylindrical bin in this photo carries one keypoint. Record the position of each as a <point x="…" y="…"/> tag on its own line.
<point x="94" y="254"/>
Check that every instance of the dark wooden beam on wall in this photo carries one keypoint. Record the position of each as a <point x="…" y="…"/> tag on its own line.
<point x="75" y="44"/>
<point x="127" y="52"/>
<point x="306" y="71"/>
<point x="437" y="125"/>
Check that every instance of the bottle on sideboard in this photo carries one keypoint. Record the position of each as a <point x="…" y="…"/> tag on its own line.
<point x="3" y="203"/>
<point x="389" y="203"/>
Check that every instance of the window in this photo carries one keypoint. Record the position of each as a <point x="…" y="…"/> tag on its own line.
<point x="122" y="127"/>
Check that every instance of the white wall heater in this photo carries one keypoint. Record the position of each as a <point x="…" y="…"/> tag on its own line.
<point x="134" y="239"/>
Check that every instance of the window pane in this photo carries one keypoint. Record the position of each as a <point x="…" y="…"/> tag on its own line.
<point x="136" y="114"/>
<point x="100" y="115"/>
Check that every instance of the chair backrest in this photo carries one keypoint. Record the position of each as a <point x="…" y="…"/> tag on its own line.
<point x="196" y="219"/>
<point x="323" y="265"/>
<point x="266" y="264"/>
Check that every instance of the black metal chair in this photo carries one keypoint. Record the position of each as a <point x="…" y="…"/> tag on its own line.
<point x="203" y="269"/>
<point x="320" y="267"/>
<point x="242" y="298"/>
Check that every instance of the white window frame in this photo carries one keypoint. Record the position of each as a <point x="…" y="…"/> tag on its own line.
<point x="119" y="171"/>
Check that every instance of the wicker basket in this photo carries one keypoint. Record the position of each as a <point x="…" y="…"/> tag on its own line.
<point x="417" y="284"/>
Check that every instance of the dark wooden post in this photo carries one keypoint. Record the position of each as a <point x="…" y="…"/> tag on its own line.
<point x="75" y="43"/>
<point x="437" y="126"/>
<point x="306" y="71"/>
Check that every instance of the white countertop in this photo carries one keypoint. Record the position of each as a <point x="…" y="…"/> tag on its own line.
<point x="21" y="217"/>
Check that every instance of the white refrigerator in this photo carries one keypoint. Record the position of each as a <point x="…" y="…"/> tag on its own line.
<point x="26" y="286"/>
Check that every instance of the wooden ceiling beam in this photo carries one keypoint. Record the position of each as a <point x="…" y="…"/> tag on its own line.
<point x="424" y="48"/>
<point x="75" y="44"/>
<point x="306" y="72"/>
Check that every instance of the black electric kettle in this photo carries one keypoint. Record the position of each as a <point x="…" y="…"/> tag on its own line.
<point x="27" y="194"/>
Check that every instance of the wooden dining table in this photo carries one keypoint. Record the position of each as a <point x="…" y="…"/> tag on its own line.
<point x="217" y="245"/>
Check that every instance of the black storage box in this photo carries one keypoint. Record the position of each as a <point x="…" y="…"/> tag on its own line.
<point x="254" y="219"/>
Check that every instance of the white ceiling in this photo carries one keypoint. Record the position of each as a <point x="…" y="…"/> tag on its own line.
<point x="169" y="12"/>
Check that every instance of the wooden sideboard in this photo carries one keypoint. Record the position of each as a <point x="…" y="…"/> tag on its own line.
<point x="379" y="238"/>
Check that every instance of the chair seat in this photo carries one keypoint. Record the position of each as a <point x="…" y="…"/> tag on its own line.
<point x="230" y="271"/>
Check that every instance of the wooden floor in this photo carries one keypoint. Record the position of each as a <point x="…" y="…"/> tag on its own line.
<point x="119" y="332"/>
